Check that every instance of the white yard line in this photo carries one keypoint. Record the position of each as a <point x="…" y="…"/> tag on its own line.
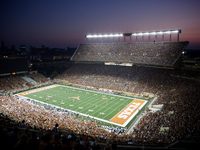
<point x="93" y="91"/>
<point x="71" y="111"/>
<point x="115" y="109"/>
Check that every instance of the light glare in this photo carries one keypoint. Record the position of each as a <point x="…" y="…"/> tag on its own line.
<point x="156" y="33"/>
<point x="167" y="32"/>
<point x="152" y="33"/>
<point x="160" y="32"/>
<point x="133" y="34"/>
<point x="146" y="33"/>
<point x="103" y="35"/>
<point x="175" y="31"/>
<point x="140" y="34"/>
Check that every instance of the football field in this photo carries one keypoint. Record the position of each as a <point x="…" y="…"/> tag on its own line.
<point x="109" y="108"/>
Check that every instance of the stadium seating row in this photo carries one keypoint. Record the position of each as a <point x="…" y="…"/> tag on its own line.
<point x="159" y="53"/>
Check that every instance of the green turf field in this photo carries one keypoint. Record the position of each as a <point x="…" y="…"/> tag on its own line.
<point x="101" y="106"/>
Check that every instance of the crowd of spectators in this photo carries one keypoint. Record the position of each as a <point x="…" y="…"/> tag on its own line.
<point x="28" y="126"/>
<point x="159" y="53"/>
<point x="39" y="78"/>
<point x="15" y="136"/>
<point x="13" y="83"/>
<point x="178" y="118"/>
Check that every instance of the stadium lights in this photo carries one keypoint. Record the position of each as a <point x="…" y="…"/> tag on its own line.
<point x="175" y="31"/>
<point x="103" y="35"/>
<point x="133" y="34"/>
<point x="160" y="32"/>
<point x="140" y="34"/>
<point x="152" y="33"/>
<point x="167" y="32"/>
<point x="156" y="33"/>
<point x="146" y="33"/>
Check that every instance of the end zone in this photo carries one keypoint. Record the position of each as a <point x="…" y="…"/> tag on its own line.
<point x="126" y="115"/>
<point x="121" y="118"/>
<point x="37" y="90"/>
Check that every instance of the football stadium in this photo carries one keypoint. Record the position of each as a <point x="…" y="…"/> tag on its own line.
<point x="130" y="95"/>
<point x="118" y="86"/>
<point x="109" y="108"/>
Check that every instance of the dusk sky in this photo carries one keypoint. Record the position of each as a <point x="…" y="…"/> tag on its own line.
<point x="59" y="23"/>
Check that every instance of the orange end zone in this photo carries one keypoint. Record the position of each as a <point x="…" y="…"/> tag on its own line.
<point x="125" y="114"/>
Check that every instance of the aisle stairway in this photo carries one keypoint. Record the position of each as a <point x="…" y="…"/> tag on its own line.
<point x="29" y="80"/>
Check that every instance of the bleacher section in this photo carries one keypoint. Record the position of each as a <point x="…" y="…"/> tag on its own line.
<point x="142" y="53"/>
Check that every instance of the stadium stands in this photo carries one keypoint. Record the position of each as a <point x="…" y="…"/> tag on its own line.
<point x="176" y="120"/>
<point x="180" y="112"/>
<point x="12" y="82"/>
<point x="16" y="82"/>
<point x="157" y="53"/>
<point x="32" y="126"/>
